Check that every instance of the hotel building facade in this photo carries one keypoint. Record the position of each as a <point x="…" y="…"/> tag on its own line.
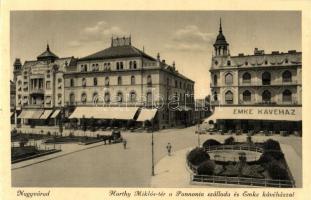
<point x="120" y="76"/>
<point x="255" y="92"/>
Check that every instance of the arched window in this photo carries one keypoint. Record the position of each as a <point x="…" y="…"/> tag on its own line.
<point x="72" y="82"/>
<point x="107" y="81"/>
<point x="132" y="80"/>
<point x="215" y="80"/>
<point x="229" y="79"/>
<point x="229" y="97"/>
<point x="119" y="80"/>
<point x="149" y="97"/>
<point x="107" y="97"/>
<point x="95" y="97"/>
<point x="132" y="96"/>
<point x="266" y="96"/>
<point x="134" y="64"/>
<point x="130" y="65"/>
<point x="119" y="97"/>
<point x="72" y="99"/>
<point x="215" y="96"/>
<point x="287" y="96"/>
<point x="83" y="98"/>
<point x="228" y="62"/>
<point x="247" y="96"/>
<point x="246" y="77"/>
<point x="287" y="76"/>
<point x="83" y="82"/>
<point x="266" y="78"/>
<point x="149" y="80"/>
<point x="95" y="81"/>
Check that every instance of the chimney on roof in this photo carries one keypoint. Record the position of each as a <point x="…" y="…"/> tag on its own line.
<point x="163" y="61"/>
<point x="122" y="41"/>
<point x="158" y="56"/>
<point x="291" y="51"/>
<point x="275" y="52"/>
<point x="258" y="52"/>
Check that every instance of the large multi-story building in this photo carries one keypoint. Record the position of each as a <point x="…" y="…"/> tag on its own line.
<point x="40" y="86"/>
<point x="253" y="92"/>
<point x="93" y="86"/>
<point x="124" y="76"/>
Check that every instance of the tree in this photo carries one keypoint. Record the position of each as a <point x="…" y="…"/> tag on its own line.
<point x="229" y="141"/>
<point x="271" y="144"/>
<point x="211" y="142"/>
<point x="197" y="156"/>
<point x="83" y="124"/>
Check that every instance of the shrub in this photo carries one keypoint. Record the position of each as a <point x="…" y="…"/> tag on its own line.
<point x="229" y="141"/>
<point x="277" y="172"/>
<point x="211" y="142"/>
<point x="269" y="156"/>
<point x="206" y="168"/>
<point x="197" y="156"/>
<point x="271" y="145"/>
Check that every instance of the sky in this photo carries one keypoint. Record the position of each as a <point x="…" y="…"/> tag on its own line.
<point x="185" y="37"/>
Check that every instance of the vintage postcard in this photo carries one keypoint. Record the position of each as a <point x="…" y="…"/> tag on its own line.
<point x="121" y="101"/>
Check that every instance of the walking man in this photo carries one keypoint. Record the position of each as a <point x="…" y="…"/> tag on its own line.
<point x="169" y="148"/>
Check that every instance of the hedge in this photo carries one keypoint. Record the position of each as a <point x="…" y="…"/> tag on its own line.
<point x="197" y="156"/>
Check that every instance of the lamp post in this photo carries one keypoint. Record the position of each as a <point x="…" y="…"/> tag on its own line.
<point x="198" y="132"/>
<point x="152" y="150"/>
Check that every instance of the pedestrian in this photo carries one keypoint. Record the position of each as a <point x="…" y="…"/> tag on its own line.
<point x="124" y="143"/>
<point x="169" y="148"/>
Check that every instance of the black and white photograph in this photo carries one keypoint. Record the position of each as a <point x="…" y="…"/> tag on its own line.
<point x="156" y="99"/>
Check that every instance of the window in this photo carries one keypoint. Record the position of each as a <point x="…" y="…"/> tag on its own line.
<point x="107" y="97"/>
<point x="149" y="97"/>
<point x="95" y="97"/>
<point x="72" y="82"/>
<point x="119" y="80"/>
<point x="215" y="96"/>
<point x="180" y="85"/>
<point x="107" y="81"/>
<point x="286" y="60"/>
<point x="229" y="97"/>
<point x="83" y="82"/>
<point x="246" y="77"/>
<point x="134" y="64"/>
<point x="176" y="84"/>
<point x="149" y="80"/>
<point x="121" y="65"/>
<point x="266" y="78"/>
<point x="59" y="96"/>
<point x="228" y="62"/>
<point x="266" y="62"/>
<point x="130" y="65"/>
<point x="216" y="62"/>
<point x="118" y="65"/>
<point x="133" y="96"/>
<point x="59" y="80"/>
<point x="246" y="63"/>
<point x="72" y="98"/>
<point x="247" y="96"/>
<point x="83" y="98"/>
<point x="95" y="81"/>
<point x="48" y="85"/>
<point x="83" y="68"/>
<point x="266" y="96"/>
<point x="132" y="80"/>
<point x="119" y="97"/>
<point x="229" y="79"/>
<point x="287" y="96"/>
<point x="215" y="80"/>
<point x="287" y="76"/>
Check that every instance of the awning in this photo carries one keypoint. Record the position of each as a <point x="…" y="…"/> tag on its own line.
<point x="257" y="113"/>
<point x="31" y="114"/>
<point x="46" y="114"/>
<point x="12" y="113"/>
<point x="124" y="113"/>
<point x="146" y="114"/>
<point x="55" y="114"/>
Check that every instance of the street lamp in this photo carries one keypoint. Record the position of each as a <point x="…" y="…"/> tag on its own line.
<point x="152" y="150"/>
<point x="198" y="132"/>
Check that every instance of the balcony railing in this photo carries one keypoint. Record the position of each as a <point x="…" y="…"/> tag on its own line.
<point x="37" y="91"/>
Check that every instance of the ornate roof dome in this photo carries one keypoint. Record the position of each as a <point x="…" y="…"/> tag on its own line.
<point x="221" y="40"/>
<point x="47" y="55"/>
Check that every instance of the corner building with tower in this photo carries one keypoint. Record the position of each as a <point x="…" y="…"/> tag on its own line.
<point x="258" y="92"/>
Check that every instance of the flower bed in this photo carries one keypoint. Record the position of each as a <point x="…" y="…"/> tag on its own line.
<point x="238" y="165"/>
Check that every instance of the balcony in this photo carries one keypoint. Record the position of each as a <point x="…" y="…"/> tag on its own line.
<point x="34" y="106"/>
<point x="37" y="91"/>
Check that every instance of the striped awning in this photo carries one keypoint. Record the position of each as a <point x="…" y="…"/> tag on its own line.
<point x="55" y="114"/>
<point x="46" y="114"/>
<point x="124" y="113"/>
<point x="146" y="114"/>
<point x="31" y="114"/>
